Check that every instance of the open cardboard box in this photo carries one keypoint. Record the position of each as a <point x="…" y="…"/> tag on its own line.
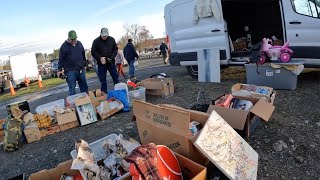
<point x="169" y="125"/>
<point x="245" y="121"/>
<point x="86" y="112"/>
<point x="109" y="111"/>
<point x="158" y="86"/>
<point x="68" y="120"/>
<point x="55" y="173"/>
<point x="97" y="97"/>
<point x="190" y="169"/>
<point x="239" y="89"/>
<point x="2" y="121"/>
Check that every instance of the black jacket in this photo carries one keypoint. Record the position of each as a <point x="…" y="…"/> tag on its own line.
<point x="72" y="57"/>
<point x="130" y="52"/>
<point x="104" y="48"/>
<point x="163" y="48"/>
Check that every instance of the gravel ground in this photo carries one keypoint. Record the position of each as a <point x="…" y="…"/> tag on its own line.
<point x="288" y="145"/>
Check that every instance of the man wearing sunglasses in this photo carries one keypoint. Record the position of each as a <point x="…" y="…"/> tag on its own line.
<point x="104" y="50"/>
<point x="72" y="63"/>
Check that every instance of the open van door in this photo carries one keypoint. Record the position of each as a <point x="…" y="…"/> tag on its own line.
<point x="302" y="24"/>
<point x="188" y="36"/>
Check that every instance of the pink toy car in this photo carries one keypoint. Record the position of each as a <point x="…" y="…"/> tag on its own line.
<point x="274" y="53"/>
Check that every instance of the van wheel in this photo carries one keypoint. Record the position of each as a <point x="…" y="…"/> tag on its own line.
<point x="193" y="71"/>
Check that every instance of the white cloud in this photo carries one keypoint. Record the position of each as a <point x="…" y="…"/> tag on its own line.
<point x="113" y="6"/>
<point x="46" y="41"/>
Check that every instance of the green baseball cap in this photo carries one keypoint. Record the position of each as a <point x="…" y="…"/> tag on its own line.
<point x="72" y="34"/>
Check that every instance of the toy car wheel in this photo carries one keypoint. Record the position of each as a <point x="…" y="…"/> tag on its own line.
<point x="263" y="59"/>
<point x="285" y="57"/>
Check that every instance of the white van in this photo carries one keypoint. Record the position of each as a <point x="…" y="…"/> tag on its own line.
<point x="235" y="25"/>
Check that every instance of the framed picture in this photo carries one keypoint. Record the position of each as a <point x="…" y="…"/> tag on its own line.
<point x="87" y="114"/>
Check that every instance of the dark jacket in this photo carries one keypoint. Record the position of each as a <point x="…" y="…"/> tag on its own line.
<point x="72" y="57"/>
<point x="130" y="52"/>
<point x="163" y="48"/>
<point x="104" y="48"/>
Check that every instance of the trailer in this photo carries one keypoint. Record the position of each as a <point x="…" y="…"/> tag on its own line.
<point x="23" y="66"/>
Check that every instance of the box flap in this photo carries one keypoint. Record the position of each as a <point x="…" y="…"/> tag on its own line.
<point x="91" y="94"/>
<point x="197" y="116"/>
<point x="172" y="119"/>
<point x="65" y="167"/>
<point x="236" y="87"/>
<point x="66" y="118"/>
<point x="54" y="173"/>
<point x="150" y="83"/>
<point x="191" y="170"/>
<point x="263" y="109"/>
<point x="225" y="148"/>
<point x="39" y="175"/>
<point x="82" y="100"/>
<point x="235" y="118"/>
<point x="156" y="83"/>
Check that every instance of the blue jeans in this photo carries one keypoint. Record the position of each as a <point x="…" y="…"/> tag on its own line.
<point x="131" y="68"/>
<point x="102" y="73"/>
<point x="72" y="77"/>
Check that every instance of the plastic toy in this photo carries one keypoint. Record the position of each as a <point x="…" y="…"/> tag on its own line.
<point x="274" y="53"/>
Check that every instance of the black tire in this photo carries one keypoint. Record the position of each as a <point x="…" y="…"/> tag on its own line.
<point x="193" y="71"/>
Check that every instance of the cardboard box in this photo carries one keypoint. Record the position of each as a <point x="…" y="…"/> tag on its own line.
<point x="240" y="90"/>
<point x="109" y="111"/>
<point x="2" y="121"/>
<point x="67" y="120"/>
<point x="69" y="125"/>
<point x="52" y="130"/>
<point x="168" y="125"/>
<point x="86" y="111"/>
<point x="158" y="86"/>
<point x="243" y="120"/>
<point x="23" y="105"/>
<point x="190" y="169"/>
<point x="239" y="45"/>
<point x="32" y="132"/>
<point x="97" y="97"/>
<point x="278" y="42"/>
<point x="55" y="173"/>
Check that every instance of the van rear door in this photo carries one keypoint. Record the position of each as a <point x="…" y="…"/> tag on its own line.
<point x="302" y="24"/>
<point x="187" y="37"/>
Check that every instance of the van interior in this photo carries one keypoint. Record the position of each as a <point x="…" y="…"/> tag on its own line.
<point x="249" y="21"/>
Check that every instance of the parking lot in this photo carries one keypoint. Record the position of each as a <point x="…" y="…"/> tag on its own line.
<point x="294" y="125"/>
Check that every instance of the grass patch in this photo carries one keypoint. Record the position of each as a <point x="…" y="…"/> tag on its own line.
<point x="33" y="87"/>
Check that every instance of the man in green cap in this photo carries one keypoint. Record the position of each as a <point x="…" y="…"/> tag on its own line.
<point x="72" y="62"/>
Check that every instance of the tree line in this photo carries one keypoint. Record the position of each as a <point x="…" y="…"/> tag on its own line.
<point x="138" y="33"/>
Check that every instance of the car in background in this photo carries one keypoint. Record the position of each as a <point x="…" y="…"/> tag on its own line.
<point x="54" y="67"/>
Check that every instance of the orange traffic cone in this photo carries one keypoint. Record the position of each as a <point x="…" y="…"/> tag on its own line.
<point x="40" y="81"/>
<point x="26" y="81"/>
<point x="13" y="92"/>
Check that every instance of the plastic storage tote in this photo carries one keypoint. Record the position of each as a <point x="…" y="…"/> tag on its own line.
<point x="265" y="75"/>
<point x="99" y="152"/>
<point x="139" y="94"/>
<point x="49" y="107"/>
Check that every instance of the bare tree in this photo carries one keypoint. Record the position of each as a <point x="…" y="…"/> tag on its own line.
<point x="139" y="35"/>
